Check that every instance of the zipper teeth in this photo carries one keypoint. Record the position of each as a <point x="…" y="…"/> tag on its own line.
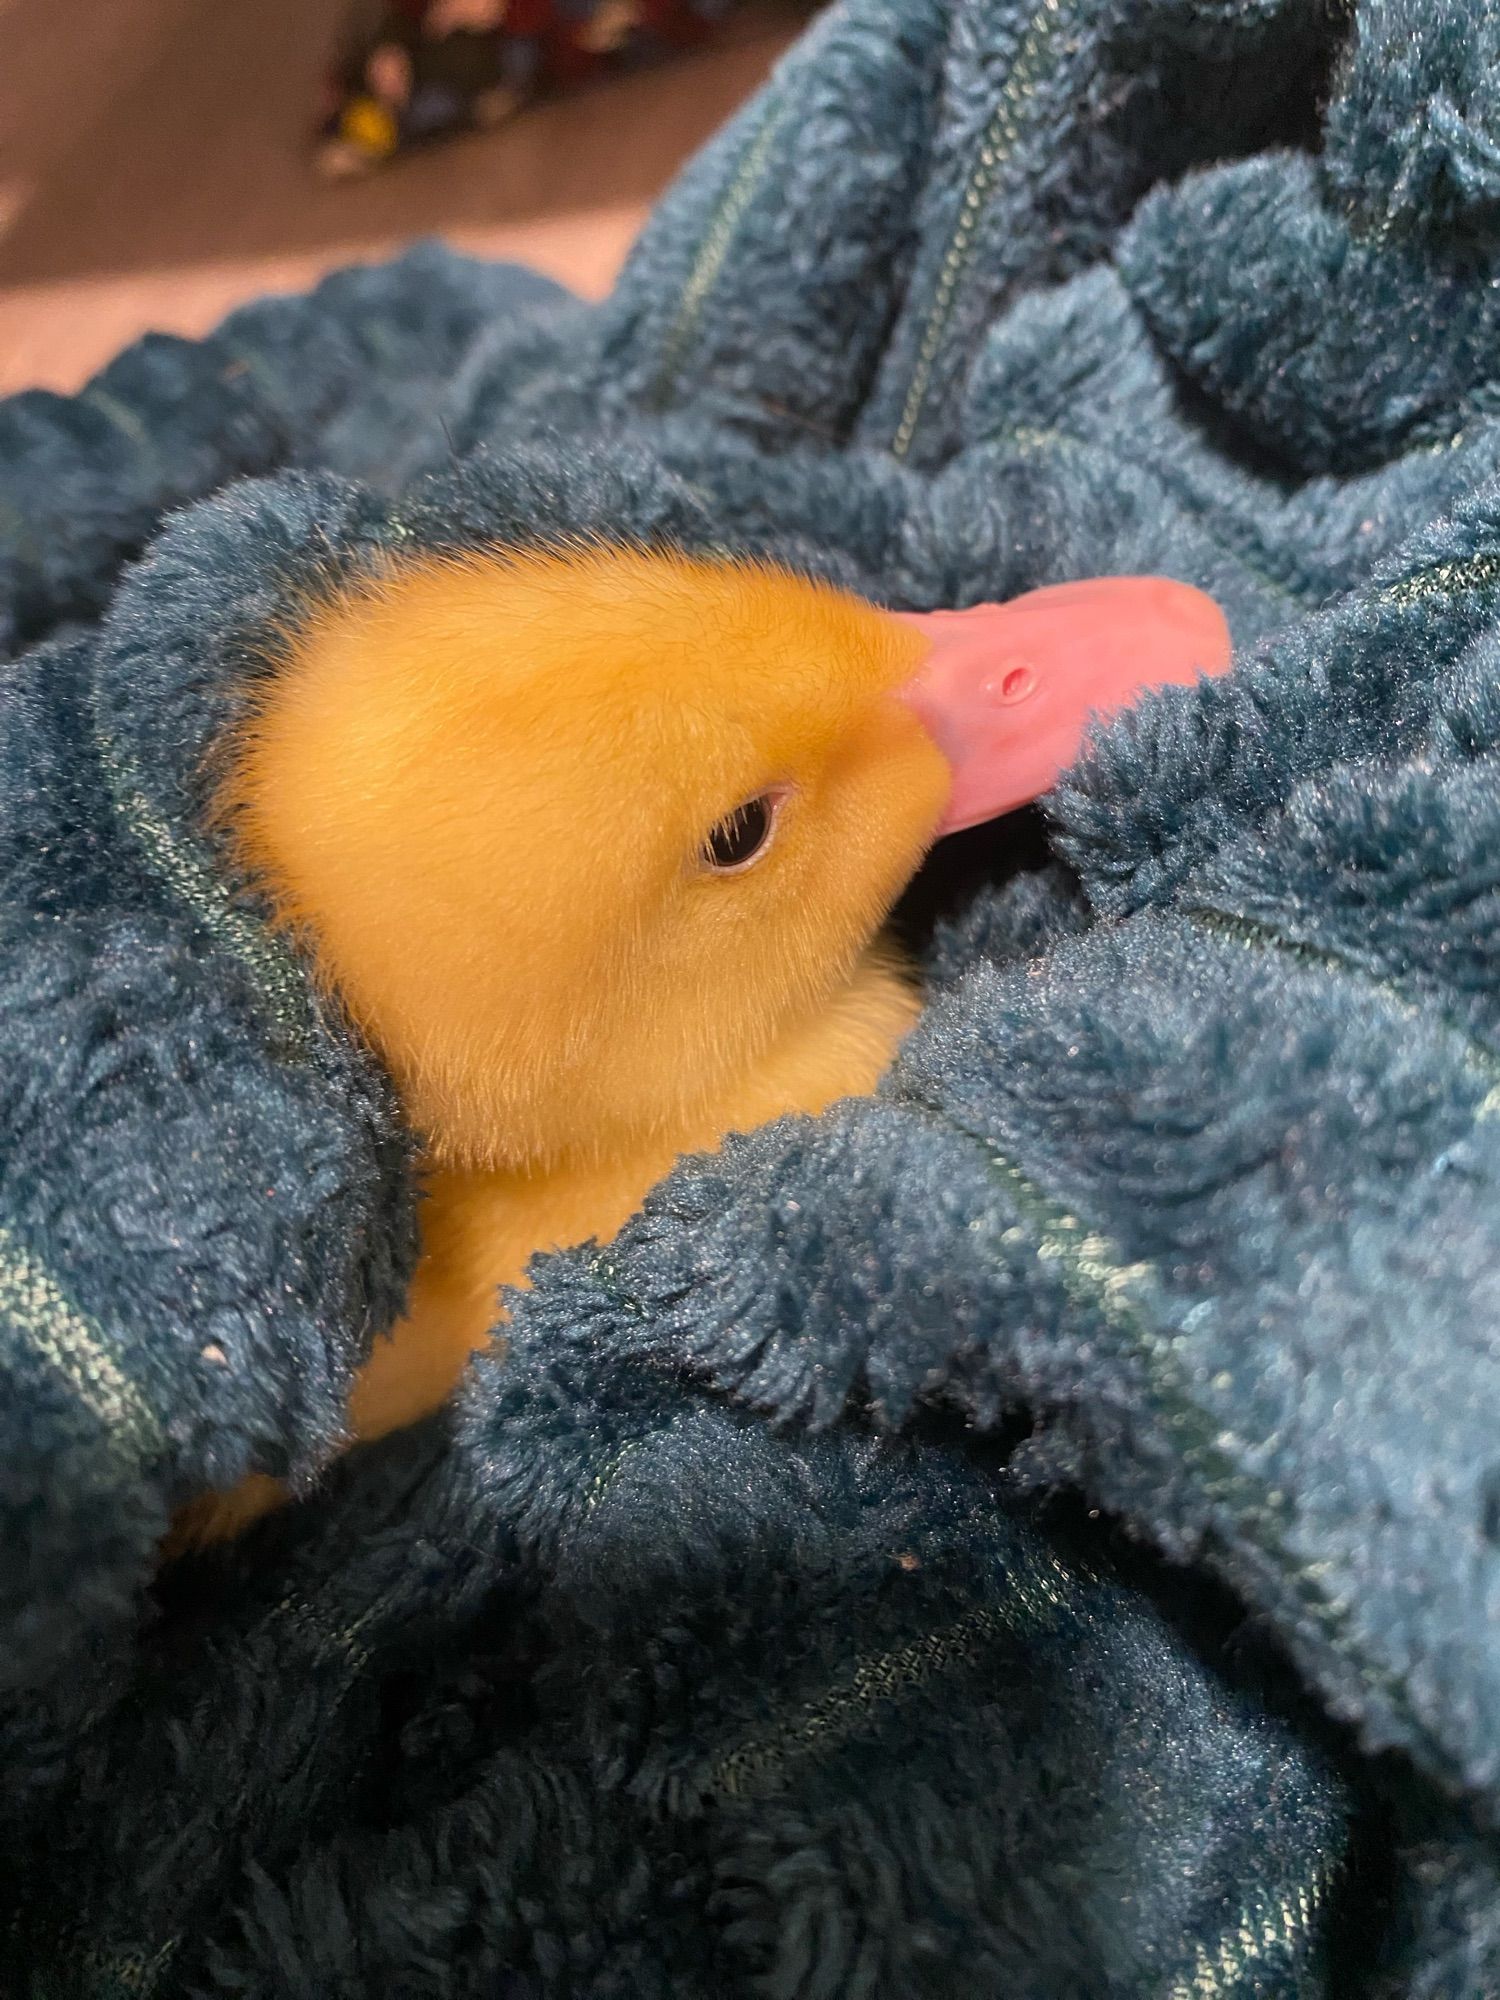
<point x="1255" y="934"/>
<point x="713" y="252"/>
<point x="32" y="1301"/>
<point x="1444" y="579"/>
<point x="1263" y="1931"/>
<point x="339" y="1644"/>
<point x="1128" y="1297"/>
<point x="122" y="417"/>
<point x="599" y="1487"/>
<point x="1459" y="573"/>
<point x="824" y="1724"/>
<point x="131" y="1972"/>
<point x="276" y="975"/>
<point x="1230" y="540"/>
<point x="1001" y="137"/>
<point x="13" y="523"/>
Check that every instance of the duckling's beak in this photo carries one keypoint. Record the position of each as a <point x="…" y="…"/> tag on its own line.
<point x="1007" y="690"/>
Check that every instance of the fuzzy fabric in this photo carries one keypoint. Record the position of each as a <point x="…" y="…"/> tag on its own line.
<point x="1035" y="1532"/>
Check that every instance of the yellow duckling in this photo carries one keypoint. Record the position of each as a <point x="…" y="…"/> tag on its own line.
<point x="595" y="846"/>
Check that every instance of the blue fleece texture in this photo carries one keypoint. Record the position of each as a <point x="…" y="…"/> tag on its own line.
<point x="1032" y="1534"/>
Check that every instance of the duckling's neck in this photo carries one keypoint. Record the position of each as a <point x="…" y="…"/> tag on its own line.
<point x="839" y="1048"/>
<point x="840" y="1051"/>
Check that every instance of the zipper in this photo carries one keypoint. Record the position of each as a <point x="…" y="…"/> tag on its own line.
<point x="1041" y="1590"/>
<point x="1094" y="1275"/>
<point x="1476" y="572"/>
<point x="1001" y="137"/>
<point x="819" y="1727"/>
<point x="32" y="1300"/>
<point x="1248" y="552"/>
<point x="713" y="253"/>
<point x="133" y="1973"/>
<point x="124" y="419"/>
<point x="277" y="977"/>
<point x="1264" y="1931"/>
<point x="1128" y="1297"/>
<point x="1254" y="934"/>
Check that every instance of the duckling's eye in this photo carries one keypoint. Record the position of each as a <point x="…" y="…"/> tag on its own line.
<point x="740" y="836"/>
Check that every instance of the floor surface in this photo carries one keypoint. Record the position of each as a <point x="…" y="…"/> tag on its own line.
<point x="154" y="168"/>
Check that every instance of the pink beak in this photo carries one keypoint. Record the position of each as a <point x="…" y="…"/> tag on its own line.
<point x="1008" y="690"/>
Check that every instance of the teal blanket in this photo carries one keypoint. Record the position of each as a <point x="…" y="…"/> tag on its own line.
<point x="1035" y="1532"/>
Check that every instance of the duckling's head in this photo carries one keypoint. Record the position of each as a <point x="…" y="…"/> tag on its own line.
<point x="578" y="836"/>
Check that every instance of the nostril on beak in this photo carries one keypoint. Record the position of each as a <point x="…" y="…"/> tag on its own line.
<point x="1014" y="682"/>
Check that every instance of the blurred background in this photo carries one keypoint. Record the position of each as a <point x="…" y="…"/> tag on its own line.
<point x="162" y="160"/>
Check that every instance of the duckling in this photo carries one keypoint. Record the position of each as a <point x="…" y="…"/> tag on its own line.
<point x="596" y="845"/>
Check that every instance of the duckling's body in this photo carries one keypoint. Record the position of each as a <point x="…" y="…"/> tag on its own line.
<point x="481" y="1228"/>
<point x="595" y="847"/>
